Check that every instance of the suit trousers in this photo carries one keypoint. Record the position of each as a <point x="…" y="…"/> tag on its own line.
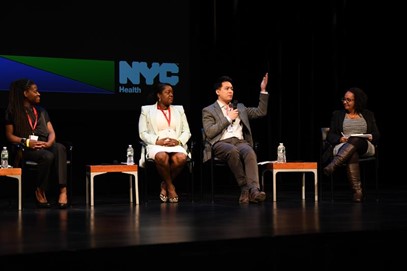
<point x="241" y="159"/>
<point x="51" y="164"/>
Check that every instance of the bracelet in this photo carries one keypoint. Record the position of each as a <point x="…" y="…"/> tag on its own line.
<point x="179" y="142"/>
<point x="27" y="142"/>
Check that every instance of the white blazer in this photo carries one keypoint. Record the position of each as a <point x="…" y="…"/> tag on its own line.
<point x="148" y="130"/>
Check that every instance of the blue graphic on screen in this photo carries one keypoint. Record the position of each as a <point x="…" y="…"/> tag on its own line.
<point x="46" y="81"/>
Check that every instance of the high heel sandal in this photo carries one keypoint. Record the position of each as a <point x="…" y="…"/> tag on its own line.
<point x="173" y="199"/>
<point x="63" y="205"/>
<point x="39" y="194"/>
<point x="163" y="197"/>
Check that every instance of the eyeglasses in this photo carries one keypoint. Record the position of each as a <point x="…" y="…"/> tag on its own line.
<point x="347" y="100"/>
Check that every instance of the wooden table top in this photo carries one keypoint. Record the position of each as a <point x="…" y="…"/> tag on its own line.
<point x="111" y="168"/>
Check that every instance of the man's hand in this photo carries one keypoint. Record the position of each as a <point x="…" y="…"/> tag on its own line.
<point x="264" y="82"/>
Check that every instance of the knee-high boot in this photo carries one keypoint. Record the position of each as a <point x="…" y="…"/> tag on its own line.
<point x="340" y="158"/>
<point x="353" y="173"/>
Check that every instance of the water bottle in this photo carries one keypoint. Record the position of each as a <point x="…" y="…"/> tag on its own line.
<point x="4" y="157"/>
<point x="281" y="158"/>
<point x="130" y="155"/>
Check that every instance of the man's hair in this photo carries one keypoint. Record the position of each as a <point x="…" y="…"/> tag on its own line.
<point x="220" y="80"/>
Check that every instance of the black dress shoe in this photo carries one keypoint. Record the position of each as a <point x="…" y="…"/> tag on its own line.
<point x="256" y="195"/>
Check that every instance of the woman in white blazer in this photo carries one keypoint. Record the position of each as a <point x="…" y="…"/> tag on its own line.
<point x="164" y="128"/>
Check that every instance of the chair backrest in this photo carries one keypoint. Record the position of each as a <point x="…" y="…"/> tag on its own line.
<point x="326" y="151"/>
<point x="324" y="132"/>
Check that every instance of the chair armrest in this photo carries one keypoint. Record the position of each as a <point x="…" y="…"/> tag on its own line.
<point x="143" y="147"/>
<point x="67" y="144"/>
<point x="144" y="151"/>
<point x="143" y="144"/>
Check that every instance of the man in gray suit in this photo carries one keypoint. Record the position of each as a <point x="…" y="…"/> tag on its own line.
<point x="227" y="128"/>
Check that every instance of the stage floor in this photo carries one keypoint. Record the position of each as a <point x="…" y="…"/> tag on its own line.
<point x="327" y="233"/>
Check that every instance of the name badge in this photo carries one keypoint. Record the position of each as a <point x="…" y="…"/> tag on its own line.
<point x="33" y="137"/>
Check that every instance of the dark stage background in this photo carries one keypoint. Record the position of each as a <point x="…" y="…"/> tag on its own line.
<point x="313" y="51"/>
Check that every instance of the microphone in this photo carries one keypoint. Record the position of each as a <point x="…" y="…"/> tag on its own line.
<point x="234" y="104"/>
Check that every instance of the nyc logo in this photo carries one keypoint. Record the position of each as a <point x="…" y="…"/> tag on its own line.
<point x="134" y="72"/>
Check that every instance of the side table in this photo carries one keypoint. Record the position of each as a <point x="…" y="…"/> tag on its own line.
<point x="14" y="173"/>
<point x="94" y="170"/>
<point x="291" y="167"/>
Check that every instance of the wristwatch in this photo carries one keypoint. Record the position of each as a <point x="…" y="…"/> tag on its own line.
<point x="23" y="141"/>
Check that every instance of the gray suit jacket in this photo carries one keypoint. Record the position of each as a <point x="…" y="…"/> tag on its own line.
<point x="215" y="123"/>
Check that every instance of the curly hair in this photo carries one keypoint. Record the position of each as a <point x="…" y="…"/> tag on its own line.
<point x="360" y="99"/>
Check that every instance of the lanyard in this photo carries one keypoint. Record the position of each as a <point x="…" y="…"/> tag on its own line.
<point x="168" y="118"/>
<point x="30" y="121"/>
